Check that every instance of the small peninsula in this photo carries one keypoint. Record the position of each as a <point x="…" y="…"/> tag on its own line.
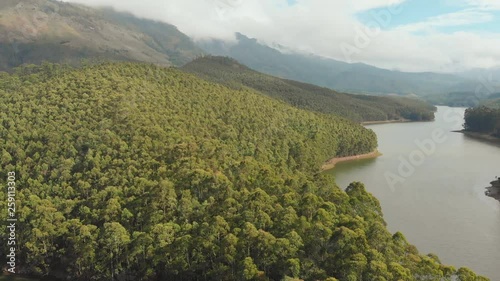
<point x="494" y="190"/>
<point x="330" y="164"/>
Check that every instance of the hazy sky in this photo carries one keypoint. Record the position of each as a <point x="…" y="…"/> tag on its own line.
<point x="409" y="35"/>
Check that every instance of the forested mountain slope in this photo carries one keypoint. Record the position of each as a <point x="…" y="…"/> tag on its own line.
<point x="32" y="31"/>
<point x="136" y="172"/>
<point x="465" y="99"/>
<point x="355" y="107"/>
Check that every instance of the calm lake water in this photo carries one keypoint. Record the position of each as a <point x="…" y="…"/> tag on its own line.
<point x="430" y="182"/>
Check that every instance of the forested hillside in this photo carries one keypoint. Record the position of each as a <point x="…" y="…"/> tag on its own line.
<point x="135" y="172"/>
<point x="483" y="119"/>
<point x="355" y="107"/>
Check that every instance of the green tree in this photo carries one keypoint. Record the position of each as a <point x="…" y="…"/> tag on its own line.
<point x="115" y="239"/>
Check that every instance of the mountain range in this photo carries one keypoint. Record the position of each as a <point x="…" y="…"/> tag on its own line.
<point x="32" y="31"/>
<point x="341" y="76"/>
<point x="47" y="30"/>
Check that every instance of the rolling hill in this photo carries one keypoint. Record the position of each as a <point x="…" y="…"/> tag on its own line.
<point x="32" y="31"/>
<point x="355" y="107"/>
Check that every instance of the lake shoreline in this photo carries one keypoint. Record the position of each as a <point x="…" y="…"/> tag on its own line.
<point x="480" y="136"/>
<point x="393" y="121"/>
<point x="386" y="121"/>
<point x="441" y="204"/>
<point x="492" y="191"/>
<point x="330" y="164"/>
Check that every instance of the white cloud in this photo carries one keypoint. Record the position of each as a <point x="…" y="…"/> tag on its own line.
<point x="363" y="5"/>
<point x="465" y="17"/>
<point x="323" y="27"/>
<point x="483" y="4"/>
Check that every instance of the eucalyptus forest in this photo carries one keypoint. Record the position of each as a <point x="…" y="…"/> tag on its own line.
<point x="168" y="140"/>
<point x="131" y="171"/>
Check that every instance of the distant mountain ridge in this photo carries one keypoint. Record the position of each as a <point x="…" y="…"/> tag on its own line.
<point x="341" y="76"/>
<point x="32" y="31"/>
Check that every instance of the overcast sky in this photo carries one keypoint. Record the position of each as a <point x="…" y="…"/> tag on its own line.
<point x="411" y="35"/>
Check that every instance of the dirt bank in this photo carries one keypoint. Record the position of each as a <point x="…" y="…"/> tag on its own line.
<point x="330" y="164"/>
<point x="393" y="121"/>
<point x="385" y="122"/>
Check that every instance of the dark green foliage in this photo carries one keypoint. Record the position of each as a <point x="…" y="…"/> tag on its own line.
<point x="483" y="119"/>
<point x="356" y="107"/>
<point x="16" y="278"/>
<point x="136" y="172"/>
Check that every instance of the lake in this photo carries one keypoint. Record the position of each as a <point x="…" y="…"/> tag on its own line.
<point x="431" y="182"/>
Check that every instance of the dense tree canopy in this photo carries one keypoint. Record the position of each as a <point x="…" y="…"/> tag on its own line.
<point x="307" y="96"/>
<point x="483" y="119"/>
<point x="136" y="172"/>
